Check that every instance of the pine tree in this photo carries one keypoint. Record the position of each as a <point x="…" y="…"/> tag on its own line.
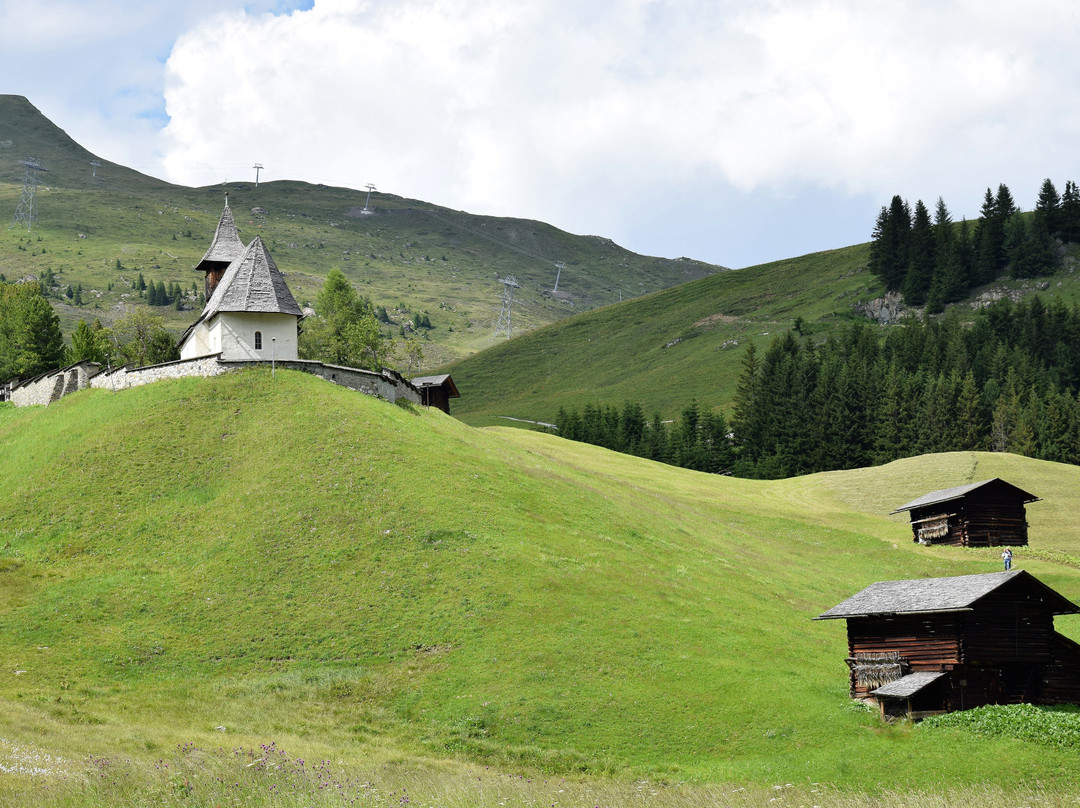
<point x="1070" y="213"/>
<point x="889" y="244"/>
<point x="921" y="258"/>
<point x="746" y="419"/>
<point x="950" y="281"/>
<point x="87" y="343"/>
<point x="632" y="426"/>
<point x="1048" y="208"/>
<point x="988" y="242"/>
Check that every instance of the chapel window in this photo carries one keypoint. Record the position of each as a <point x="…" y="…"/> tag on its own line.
<point x="258" y="340"/>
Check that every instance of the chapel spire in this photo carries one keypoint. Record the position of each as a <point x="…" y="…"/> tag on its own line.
<point x="225" y="248"/>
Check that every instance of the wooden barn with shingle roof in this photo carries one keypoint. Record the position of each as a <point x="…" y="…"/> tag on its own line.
<point x="436" y="391"/>
<point x="990" y="513"/>
<point x="934" y="645"/>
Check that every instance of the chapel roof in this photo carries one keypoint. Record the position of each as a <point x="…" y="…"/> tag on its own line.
<point x="226" y="246"/>
<point x="252" y="283"/>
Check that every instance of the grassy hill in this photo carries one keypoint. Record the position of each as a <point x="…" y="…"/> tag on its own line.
<point x="236" y="561"/>
<point x="409" y="256"/>
<point x="664" y="349"/>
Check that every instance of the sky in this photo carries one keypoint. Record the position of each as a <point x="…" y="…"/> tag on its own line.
<point x="731" y="131"/>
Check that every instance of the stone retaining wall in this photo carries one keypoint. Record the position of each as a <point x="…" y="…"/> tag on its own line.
<point x="387" y="385"/>
<point x="128" y="376"/>
<point x="47" y="388"/>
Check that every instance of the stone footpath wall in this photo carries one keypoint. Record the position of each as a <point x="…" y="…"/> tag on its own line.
<point x="388" y="385"/>
<point x="48" y="387"/>
<point x="124" y="377"/>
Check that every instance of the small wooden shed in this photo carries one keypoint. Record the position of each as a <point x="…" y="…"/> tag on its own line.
<point x="984" y="514"/>
<point x="436" y="391"/>
<point x="933" y="645"/>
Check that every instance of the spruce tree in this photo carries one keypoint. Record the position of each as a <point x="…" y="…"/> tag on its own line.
<point x="889" y="244"/>
<point x="1048" y="208"/>
<point x="989" y="242"/>
<point x="921" y="258"/>
<point x="1070" y="213"/>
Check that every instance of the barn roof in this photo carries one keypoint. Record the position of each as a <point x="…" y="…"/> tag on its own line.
<point x="927" y="595"/>
<point x="226" y="246"/>
<point x="442" y="380"/>
<point x="907" y="686"/>
<point x="961" y="491"/>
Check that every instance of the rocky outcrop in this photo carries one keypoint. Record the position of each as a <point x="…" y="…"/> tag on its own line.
<point x="884" y="310"/>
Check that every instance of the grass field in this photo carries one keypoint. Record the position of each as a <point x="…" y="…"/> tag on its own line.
<point x="240" y="561"/>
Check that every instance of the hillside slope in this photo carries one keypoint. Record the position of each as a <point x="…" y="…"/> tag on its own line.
<point x="665" y="349"/>
<point x="409" y="256"/>
<point x="286" y="560"/>
<point x="687" y="343"/>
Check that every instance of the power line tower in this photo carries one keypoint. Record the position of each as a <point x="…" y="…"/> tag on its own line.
<point x="258" y="167"/>
<point x="505" y="324"/>
<point x="367" y="211"/>
<point x="25" y="210"/>
<point x="95" y="164"/>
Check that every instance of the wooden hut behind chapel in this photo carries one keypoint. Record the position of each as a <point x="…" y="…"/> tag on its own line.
<point x="436" y="391"/>
<point x="933" y="645"/>
<point x="984" y="514"/>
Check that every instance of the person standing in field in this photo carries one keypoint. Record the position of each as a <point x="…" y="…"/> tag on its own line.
<point x="1006" y="556"/>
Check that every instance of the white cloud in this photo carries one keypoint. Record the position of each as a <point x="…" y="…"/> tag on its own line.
<point x="590" y="115"/>
<point x="528" y="108"/>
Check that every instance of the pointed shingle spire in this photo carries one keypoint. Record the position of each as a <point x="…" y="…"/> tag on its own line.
<point x="225" y="248"/>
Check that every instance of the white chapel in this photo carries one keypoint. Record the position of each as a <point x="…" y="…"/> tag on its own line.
<point x="250" y="312"/>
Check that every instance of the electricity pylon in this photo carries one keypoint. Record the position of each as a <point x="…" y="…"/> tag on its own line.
<point x="25" y="210"/>
<point x="505" y="324"/>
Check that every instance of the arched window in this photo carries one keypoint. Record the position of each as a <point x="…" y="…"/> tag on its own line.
<point x="258" y="340"/>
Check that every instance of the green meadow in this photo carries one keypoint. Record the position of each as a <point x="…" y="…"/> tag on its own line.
<point x="195" y="570"/>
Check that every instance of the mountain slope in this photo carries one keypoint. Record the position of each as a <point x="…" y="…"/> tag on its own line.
<point x="687" y="343"/>
<point x="290" y="561"/>
<point x="409" y="256"/>
<point x="665" y="349"/>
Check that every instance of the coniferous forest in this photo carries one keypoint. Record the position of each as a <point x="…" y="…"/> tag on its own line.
<point x="933" y="261"/>
<point x="1009" y="381"/>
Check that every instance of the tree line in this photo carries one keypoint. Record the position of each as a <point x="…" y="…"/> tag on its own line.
<point x="1006" y="382"/>
<point x="931" y="260"/>
<point x="696" y="440"/>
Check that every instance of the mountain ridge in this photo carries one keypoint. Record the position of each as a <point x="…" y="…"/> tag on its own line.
<point x="104" y="230"/>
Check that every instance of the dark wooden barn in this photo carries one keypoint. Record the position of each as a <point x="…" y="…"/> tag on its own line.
<point x="436" y="391"/>
<point x="934" y="645"/>
<point x="985" y="514"/>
